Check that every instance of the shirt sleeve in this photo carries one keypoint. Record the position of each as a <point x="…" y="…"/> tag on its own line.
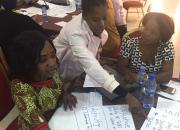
<point x="90" y="64"/>
<point x="119" y="12"/>
<point x="24" y="97"/>
<point x="125" y="49"/>
<point x="168" y="52"/>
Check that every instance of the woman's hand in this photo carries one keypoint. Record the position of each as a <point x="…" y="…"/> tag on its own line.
<point x="134" y="105"/>
<point x="69" y="100"/>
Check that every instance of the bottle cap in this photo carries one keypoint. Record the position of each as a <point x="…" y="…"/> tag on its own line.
<point x="142" y="69"/>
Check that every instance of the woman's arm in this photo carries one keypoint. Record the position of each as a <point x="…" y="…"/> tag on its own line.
<point x="165" y="74"/>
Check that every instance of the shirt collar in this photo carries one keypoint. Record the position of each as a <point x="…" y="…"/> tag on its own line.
<point x="87" y="26"/>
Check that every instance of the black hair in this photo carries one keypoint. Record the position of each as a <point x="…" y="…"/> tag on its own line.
<point x="24" y="54"/>
<point x="9" y="4"/>
<point x="87" y="5"/>
<point x="164" y="22"/>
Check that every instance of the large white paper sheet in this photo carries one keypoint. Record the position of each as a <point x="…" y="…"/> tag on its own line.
<point x="175" y="85"/>
<point x="158" y="120"/>
<point x="88" y="99"/>
<point x="170" y="107"/>
<point x="113" y="117"/>
<point x="89" y="82"/>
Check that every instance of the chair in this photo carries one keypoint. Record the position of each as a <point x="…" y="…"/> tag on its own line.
<point x="148" y="10"/>
<point x="134" y="33"/>
<point x="137" y="4"/>
<point x="8" y="111"/>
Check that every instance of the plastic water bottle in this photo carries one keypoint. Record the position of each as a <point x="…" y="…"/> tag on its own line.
<point x="78" y="4"/>
<point x="141" y="79"/>
<point x="150" y="89"/>
<point x="72" y="6"/>
<point x="44" y="13"/>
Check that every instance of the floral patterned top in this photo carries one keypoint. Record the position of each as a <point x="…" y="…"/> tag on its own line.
<point x="130" y="49"/>
<point x="34" y="99"/>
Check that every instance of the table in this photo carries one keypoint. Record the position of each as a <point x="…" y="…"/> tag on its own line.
<point x="50" y="26"/>
<point x="137" y="118"/>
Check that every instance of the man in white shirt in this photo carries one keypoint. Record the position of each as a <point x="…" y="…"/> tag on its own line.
<point x="78" y="42"/>
<point x="78" y="46"/>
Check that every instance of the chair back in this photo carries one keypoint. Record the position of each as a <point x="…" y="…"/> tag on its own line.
<point x="136" y="4"/>
<point x="6" y="102"/>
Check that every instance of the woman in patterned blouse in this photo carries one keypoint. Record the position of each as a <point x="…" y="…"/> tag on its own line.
<point x="149" y="47"/>
<point x="36" y="85"/>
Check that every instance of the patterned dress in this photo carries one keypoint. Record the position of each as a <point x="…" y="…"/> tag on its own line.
<point x="34" y="100"/>
<point x="130" y="50"/>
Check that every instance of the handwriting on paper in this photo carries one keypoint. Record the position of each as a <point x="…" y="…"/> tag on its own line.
<point x="169" y="106"/>
<point x="112" y="117"/>
<point x="158" y="120"/>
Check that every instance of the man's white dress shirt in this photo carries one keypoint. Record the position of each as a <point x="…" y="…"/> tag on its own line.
<point x="77" y="49"/>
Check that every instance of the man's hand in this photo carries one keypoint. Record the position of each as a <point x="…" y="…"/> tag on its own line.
<point x="69" y="100"/>
<point x="134" y="105"/>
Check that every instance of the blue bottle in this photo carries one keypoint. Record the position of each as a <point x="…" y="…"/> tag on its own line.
<point x="141" y="77"/>
<point x="78" y="4"/>
<point x="44" y="13"/>
<point x="150" y="89"/>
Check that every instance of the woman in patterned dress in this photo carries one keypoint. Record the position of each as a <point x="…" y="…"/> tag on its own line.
<point x="150" y="47"/>
<point x="36" y="85"/>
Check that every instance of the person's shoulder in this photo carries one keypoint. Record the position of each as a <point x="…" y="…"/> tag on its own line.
<point x="18" y="85"/>
<point x="22" y="16"/>
<point x="13" y="15"/>
<point x="74" y="24"/>
<point x="166" y="44"/>
<point x="76" y="27"/>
